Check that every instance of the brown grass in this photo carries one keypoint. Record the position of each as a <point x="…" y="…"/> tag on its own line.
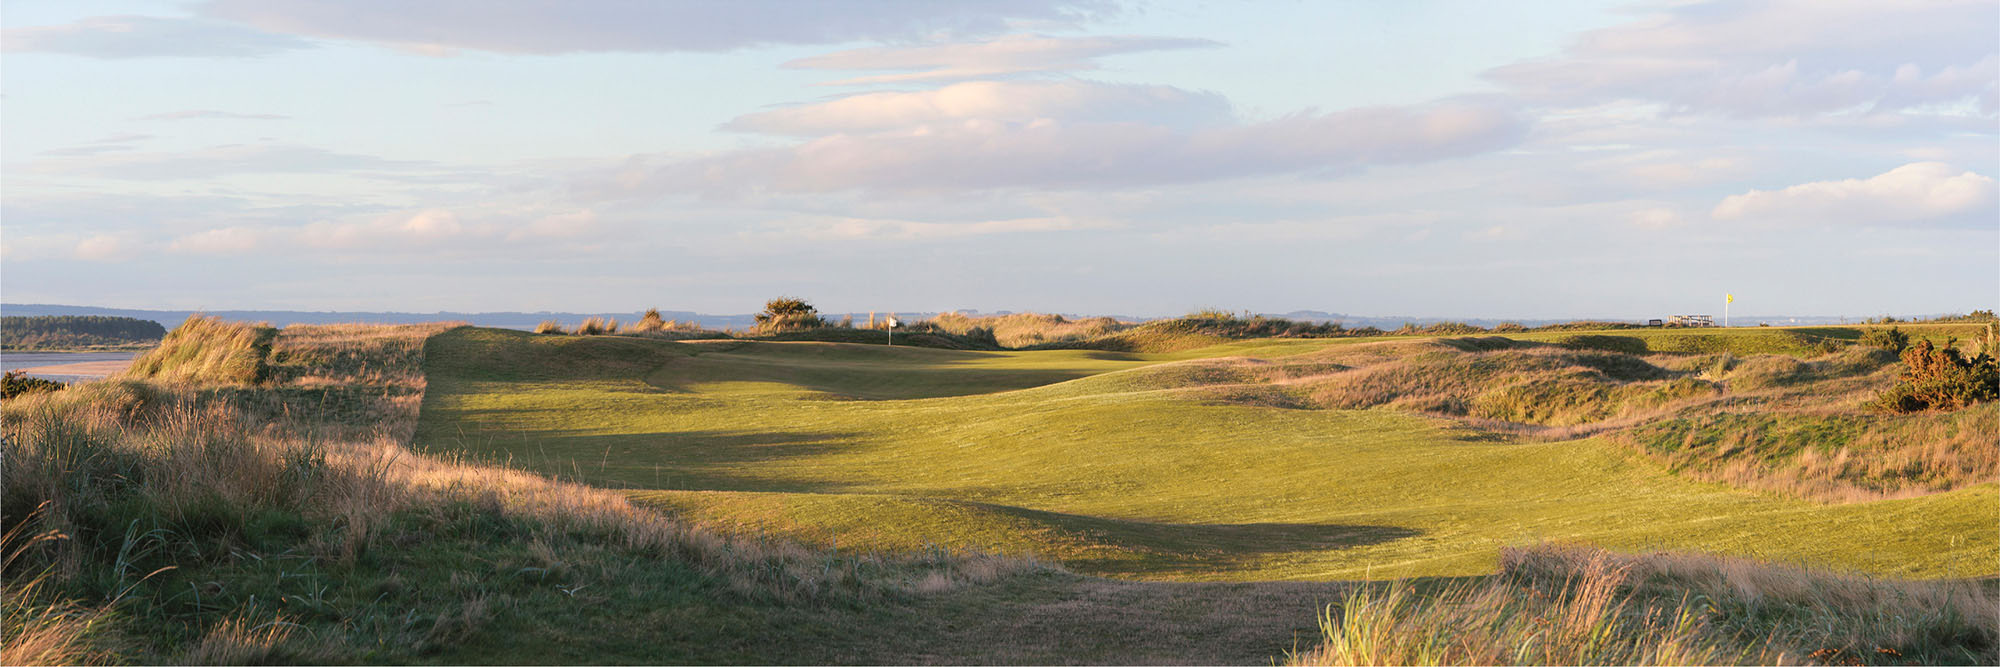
<point x="41" y="629"/>
<point x="651" y="325"/>
<point x="39" y="626"/>
<point x="1796" y="427"/>
<point x="207" y="350"/>
<point x="651" y="321"/>
<point x="241" y="640"/>
<point x="1584" y="606"/>
<point x="1025" y="329"/>
<point x="597" y="326"/>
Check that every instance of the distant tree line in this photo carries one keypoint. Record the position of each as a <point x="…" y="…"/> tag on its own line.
<point x="70" y="331"/>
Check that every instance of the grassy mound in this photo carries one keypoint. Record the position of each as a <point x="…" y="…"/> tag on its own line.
<point x="207" y="350"/>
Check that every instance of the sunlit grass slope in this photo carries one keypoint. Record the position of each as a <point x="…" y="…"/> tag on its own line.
<point x="1096" y="459"/>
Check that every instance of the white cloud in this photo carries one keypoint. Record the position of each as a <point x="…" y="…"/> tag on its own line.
<point x="429" y="227"/>
<point x="859" y="229"/>
<point x="1005" y="101"/>
<point x="17" y="247"/>
<point x="122" y="141"/>
<point x="1013" y="54"/>
<point x="147" y="36"/>
<point x="1786" y="58"/>
<point x="427" y="230"/>
<point x="1047" y="153"/>
<point x="104" y="248"/>
<point x="1664" y="169"/>
<point x="1404" y="224"/>
<point x="1918" y="192"/>
<point x="219" y="161"/>
<point x="211" y="114"/>
<point x="561" y="225"/>
<point x="220" y="241"/>
<point x="576" y="26"/>
<point x="1655" y="218"/>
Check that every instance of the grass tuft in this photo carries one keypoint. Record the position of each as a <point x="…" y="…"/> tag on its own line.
<point x="1581" y="606"/>
<point x="207" y="350"/>
<point x="597" y="326"/>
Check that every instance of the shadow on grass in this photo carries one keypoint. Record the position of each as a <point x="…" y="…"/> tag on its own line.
<point x="701" y="459"/>
<point x="1240" y="538"/>
<point x="856" y="373"/>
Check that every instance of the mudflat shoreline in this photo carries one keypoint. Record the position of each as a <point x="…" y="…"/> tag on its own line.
<point x="68" y="366"/>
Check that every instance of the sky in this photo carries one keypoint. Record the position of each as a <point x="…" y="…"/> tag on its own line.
<point x="1556" y="159"/>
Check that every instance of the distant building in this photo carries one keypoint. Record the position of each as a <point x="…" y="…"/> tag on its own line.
<point x="1655" y="323"/>
<point x="1690" y="321"/>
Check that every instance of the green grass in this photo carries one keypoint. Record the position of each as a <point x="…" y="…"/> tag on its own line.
<point x="283" y="521"/>
<point x="1091" y="458"/>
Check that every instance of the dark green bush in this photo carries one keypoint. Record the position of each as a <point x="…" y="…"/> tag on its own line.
<point x="787" y="313"/>
<point x="1891" y="339"/>
<point x="1940" y="378"/>
<point x="16" y="384"/>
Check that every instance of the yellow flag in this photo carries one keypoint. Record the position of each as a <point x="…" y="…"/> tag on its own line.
<point x="1732" y="298"/>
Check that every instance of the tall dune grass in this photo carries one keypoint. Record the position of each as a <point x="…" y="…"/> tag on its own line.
<point x="597" y="326"/>
<point x="1580" y="606"/>
<point x="1020" y="330"/>
<point x="205" y="349"/>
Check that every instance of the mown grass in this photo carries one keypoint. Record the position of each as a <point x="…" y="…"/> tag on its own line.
<point x="1181" y="484"/>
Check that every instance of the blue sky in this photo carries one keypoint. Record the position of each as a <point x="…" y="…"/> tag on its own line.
<point x="1470" y="159"/>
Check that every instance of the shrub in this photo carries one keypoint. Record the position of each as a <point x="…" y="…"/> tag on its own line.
<point x="1585" y="325"/>
<point x="549" y="327"/>
<point x="787" y="313"/>
<point x="1453" y="329"/>
<point x="1825" y="346"/>
<point x="1940" y="378"/>
<point x="1891" y="339"/>
<point x="16" y="384"/>
<point x="982" y="336"/>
